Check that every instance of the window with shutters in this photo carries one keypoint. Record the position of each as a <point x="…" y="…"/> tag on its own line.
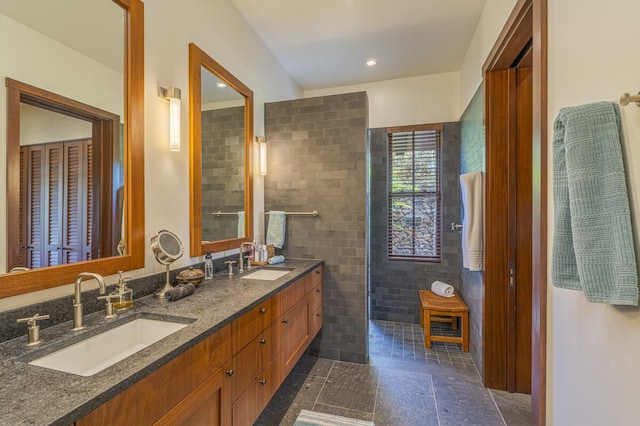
<point x="414" y="193"/>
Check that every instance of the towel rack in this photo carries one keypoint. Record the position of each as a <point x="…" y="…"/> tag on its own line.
<point x="313" y="213"/>
<point x="219" y="213"/>
<point x="627" y="98"/>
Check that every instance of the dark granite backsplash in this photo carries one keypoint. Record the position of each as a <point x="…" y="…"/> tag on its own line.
<point x="60" y="310"/>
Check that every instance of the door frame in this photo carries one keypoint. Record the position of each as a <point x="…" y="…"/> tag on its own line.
<point x="527" y="22"/>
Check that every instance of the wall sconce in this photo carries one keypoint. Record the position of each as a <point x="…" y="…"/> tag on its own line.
<point x="172" y="95"/>
<point x="262" y="143"/>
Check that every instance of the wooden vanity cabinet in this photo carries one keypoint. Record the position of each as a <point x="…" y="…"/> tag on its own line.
<point x="229" y="377"/>
<point x="148" y="400"/>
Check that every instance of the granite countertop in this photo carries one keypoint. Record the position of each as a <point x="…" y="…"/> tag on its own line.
<point x="31" y="395"/>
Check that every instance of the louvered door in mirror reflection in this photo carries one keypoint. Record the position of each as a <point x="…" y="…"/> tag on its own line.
<point x="57" y="207"/>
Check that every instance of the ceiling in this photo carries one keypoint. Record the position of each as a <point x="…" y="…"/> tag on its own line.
<point x="94" y="28"/>
<point x="326" y="43"/>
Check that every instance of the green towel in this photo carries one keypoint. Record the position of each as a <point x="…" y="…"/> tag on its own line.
<point x="592" y="242"/>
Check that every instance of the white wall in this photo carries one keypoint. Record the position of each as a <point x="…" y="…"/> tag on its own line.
<point x="38" y="125"/>
<point x="218" y="29"/>
<point x="494" y="16"/>
<point x="594" y="349"/>
<point x="406" y="101"/>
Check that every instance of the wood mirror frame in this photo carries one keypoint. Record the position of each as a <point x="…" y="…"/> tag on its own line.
<point x="198" y="59"/>
<point x="12" y="284"/>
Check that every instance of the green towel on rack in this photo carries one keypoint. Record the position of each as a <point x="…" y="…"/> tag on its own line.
<point x="592" y="239"/>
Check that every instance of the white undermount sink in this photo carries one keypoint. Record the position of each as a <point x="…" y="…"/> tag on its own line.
<point x="267" y="274"/>
<point x="96" y="353"/>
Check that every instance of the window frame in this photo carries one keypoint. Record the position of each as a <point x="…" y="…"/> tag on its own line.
<point x="437" y="258"/>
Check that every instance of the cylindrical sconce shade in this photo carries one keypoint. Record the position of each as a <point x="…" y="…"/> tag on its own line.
<point x="174" y="124"/>
<point x="172" y="94"/>
<point x="262" y="143"/>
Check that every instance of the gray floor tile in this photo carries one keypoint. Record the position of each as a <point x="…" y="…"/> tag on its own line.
<point x="313" y="366"/>
<point x="351" y="386"/>
<point x="405" y="398"/>
<point x="515" y="407"/>
<point x="464" y="402"/>
<point x="296" y="393"/>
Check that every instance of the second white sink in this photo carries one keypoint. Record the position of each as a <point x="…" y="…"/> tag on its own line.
<point x="96" y="353"/>
<point x="266" y="274"/>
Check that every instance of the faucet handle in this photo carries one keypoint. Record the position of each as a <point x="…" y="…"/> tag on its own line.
<point x="109" y="306"/>
<point x="34" y="328"/>
<point x="230" y="263"/>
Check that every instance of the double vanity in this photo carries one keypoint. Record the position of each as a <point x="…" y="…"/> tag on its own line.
<point x="219" y="355"/>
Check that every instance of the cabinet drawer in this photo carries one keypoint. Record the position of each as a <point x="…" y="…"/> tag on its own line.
<point x="254" y="358"/>
<point x="254" y="322"/>
<point x="315" y="298"/>
<point x="315" y="322"/>
<point x="208" y="405"/>
<point x="251" y="403"/>
<point x="293" y="294"/>
<point x="314" y="278"/>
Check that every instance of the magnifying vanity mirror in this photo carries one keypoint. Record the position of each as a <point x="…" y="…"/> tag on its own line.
<point x="221" y="130"/>
<point x="73" y="73"/>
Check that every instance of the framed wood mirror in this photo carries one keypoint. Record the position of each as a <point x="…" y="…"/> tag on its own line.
<point x="103" y="88"/>
<point x="221" y="141"/>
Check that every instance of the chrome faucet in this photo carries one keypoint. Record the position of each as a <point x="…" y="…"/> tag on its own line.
<point x="77" y="302"/>
<point x="241" y="260"/>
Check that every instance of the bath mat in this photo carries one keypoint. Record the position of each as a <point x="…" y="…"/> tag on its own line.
<point x="313" y="418"/>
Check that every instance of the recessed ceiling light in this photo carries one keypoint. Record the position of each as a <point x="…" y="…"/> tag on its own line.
<point x="221" y="84"/>
<point x="371" y="62"/>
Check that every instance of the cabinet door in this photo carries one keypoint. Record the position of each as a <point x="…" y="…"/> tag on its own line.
<point x="251" y="403"/>
<point x="253" y="359"/>
<point x="294" y="334"/>
<point x="208" y="405"/>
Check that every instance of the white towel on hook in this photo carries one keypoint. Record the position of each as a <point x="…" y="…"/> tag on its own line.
<point x="471" y="189"/>
<point x="442" y="289"/>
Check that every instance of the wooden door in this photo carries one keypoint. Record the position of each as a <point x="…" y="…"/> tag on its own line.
<point x="508" y="268"/>
<point x="520" y="296"/>
<point x="56" y="204"/>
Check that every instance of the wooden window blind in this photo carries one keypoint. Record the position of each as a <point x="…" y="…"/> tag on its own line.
<point x="414" y="178"/>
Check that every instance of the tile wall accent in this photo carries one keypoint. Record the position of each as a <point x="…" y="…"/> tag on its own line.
<point x="317" y="161"/>
<point x="395" y="284"/>
<point x="222" y="171"/>
<point x="473" y="159"/>
<point x="60" y="310"/>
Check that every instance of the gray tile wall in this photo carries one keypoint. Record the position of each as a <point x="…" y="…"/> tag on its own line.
<point x="395" y="283"/>
<point x="222" y="171"/>
<point x="472" y="159"/>
<point x="316" y="161"/>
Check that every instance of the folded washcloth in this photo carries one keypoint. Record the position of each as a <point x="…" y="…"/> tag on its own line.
<point x="179" y="291"/>
<point x="275" y="232"/>
<point x="276" y="259"/>
<point x="442" y="289"/>
<point x="241" y="225"/>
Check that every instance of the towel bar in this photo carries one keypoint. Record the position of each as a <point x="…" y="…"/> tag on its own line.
<point x="313" y="213"/>
<point x="455" y="226"/>
<point x="627" y="98"/>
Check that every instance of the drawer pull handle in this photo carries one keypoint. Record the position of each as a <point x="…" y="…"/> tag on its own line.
<point x="263" y="382"/>
<point x="317" y="271"/>
<point x="263" y="310"/>
<point x="318" y="315"/>
<point x="230" y="373"/>
<point x="318" y="290"/>
<point x="262" y="341"/>
<point x="285" y="321"/>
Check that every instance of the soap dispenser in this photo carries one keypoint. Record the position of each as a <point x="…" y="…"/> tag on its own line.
<point x="124" y="299"/>
<point x="208" y="267"/>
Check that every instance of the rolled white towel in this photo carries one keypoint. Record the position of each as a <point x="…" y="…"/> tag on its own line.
<point x="442" y="289"/>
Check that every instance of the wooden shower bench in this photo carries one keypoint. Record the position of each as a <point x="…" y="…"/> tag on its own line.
<point x="434" y="307"/>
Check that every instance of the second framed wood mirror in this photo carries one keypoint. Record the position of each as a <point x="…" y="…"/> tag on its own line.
<point x="221" y="140"/>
